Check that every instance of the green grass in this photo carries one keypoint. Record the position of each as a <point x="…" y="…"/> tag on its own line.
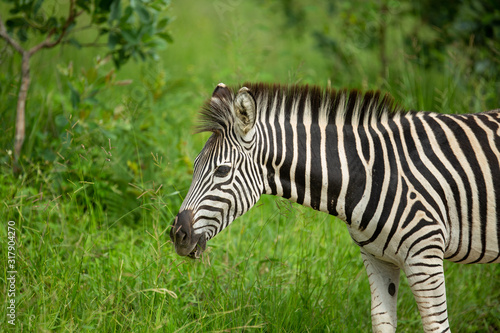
<point x="93" y="252"/>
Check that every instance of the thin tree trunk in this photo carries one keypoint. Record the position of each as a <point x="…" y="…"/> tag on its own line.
<point x="25" y="75"/>
<point x="21" y="105"/>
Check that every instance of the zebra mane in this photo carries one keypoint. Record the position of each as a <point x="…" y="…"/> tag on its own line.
<point x="346" y="106"/>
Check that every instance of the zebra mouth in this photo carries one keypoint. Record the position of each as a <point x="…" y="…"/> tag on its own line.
<point x="198" y="248"/>
<point x="196" y="253"/>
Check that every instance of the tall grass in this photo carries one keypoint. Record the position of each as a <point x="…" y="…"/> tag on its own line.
<point x="104" y="176"/>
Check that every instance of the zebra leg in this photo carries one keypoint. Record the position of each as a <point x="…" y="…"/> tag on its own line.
<point x="427" y="285"/>
<point x="384" y="284"/>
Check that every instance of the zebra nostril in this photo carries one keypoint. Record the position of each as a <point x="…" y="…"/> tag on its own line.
<point x="177" y="234"/>
<point x="180" y="234"/>
<point x="182" y="228"/>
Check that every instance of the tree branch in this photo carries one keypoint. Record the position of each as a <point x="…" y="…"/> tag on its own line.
<point x="46" y="44"/>
<point x="5" y="35"/>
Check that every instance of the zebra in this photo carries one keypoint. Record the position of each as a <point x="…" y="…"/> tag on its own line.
<point x="414" y="188"/>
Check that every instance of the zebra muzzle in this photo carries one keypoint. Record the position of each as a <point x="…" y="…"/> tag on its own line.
<point x="185" y="241"/>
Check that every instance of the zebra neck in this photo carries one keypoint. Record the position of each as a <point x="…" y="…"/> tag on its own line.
<point x="319" y="165"/>
<point x="316" y="146"/>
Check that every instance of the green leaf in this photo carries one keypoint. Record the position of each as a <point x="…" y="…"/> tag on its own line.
<point x="157" y="44"/>
<point x="103" y="31"/>
<point x="127" y="15"/>
<point x="75" y="43"/>
<point x="14" y="10"/>
<point x="120" y="57"/>
<point x="162" y="24"/>
<point x="84" y="5"/>
<point x="166" y="37"/>
<point x="16" y="22"/>
<point x="36" y="7"/>
<point x="22" y="35"/>
<point x="51" y="23"/>
<point x="75" y="96"/>
<point x="129" y="36"/>
<point x="112" y="40"/>
<point x="99" y="19"/>
<point x="92" y="100"/>
<point x="143" y="13"/>
<point x="105" y="5"/>
<point x="115" y="11"/>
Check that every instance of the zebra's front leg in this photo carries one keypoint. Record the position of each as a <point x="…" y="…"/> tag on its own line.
<point x="384" y="284"/>
<point x="427" y="284"/>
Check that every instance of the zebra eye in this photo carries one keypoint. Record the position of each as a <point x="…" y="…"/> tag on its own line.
<point x="222" y="170"/>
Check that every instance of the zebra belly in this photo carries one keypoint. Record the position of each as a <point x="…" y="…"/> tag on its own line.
<point x="476" y="242"/>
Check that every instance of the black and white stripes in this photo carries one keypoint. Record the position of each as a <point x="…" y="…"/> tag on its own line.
<point x="414" y="188"/>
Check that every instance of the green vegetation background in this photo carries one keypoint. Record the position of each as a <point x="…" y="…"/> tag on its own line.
<point x="108" y="158"/>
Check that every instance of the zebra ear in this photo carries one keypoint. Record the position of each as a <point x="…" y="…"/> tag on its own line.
<point x="221" y="91"/>
<point x="245" y="110"/>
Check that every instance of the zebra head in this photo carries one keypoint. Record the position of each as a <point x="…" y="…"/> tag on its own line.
<point x="227" y="180"/>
